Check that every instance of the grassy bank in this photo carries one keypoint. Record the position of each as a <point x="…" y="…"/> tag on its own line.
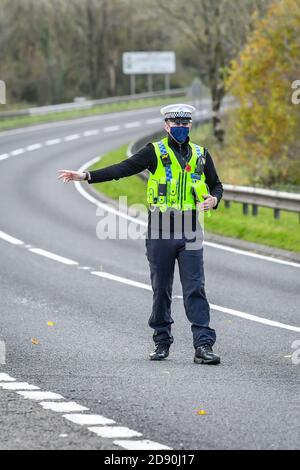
<point x="23" y="121"/>
<point x="264" y="229"/>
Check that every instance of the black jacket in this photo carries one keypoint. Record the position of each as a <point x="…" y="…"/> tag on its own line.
<point x="145" y="159"/>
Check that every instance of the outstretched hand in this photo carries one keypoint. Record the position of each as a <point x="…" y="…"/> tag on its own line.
<point x="209" y="203"/>
<point x="69" y="175"/>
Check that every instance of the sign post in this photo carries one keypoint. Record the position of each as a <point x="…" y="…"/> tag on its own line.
<point x="149" y="63"/>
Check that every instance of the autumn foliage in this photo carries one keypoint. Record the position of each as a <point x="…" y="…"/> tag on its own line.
<point x="265" y="131"/>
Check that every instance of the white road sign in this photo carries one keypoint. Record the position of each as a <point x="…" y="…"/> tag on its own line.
<point x="136" y="63"/>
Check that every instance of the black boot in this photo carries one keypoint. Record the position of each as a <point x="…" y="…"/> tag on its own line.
<point x="161" y="352"/>
<point x="205" y="355"/>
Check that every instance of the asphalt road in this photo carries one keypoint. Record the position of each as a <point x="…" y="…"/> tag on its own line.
<point x="95" y="350"/>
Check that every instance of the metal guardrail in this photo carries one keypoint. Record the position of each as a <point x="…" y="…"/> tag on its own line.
<point x="88" y="104"/>
<point x="246" y="195"/>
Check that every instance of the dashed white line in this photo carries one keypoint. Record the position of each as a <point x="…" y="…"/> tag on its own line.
<point x="18" y="386"/>
<point x="33" y="147"/>
<point x="131" y="125"/>
<point x="10" y="239"/>
<point x="111" y="128"/>
<point x="69" y="138"/>
<point x="53" y="256"/>
<point x="114" y="432"/>
<point x="39" y="396"/>
<point x="91" y="133"/>
<point x="16" y="152"/>
<point x="88" y="420"/>
<point x="153" y="121"/>
<point x="69" y="407"/>
<point x="4" y="156"/>
<point x="141" y="445"/>
<point x="53" y="142"/>
<point x="122" y="280"/>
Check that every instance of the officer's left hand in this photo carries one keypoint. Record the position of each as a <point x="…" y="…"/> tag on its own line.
<point x="209" y="203"/>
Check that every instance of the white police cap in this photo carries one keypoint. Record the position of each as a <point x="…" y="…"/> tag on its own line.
<point x="173" y="111"/>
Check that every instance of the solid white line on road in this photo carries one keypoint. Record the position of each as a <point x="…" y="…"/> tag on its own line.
<point x="33" y="147"/>
<point x="252" y="255"/>
<point x="16" y="152"/>
<point x="131" y="125"/>
<point x="104" y="206"/>
<point x="111" y="128"/>
<point x="53" y="142"/>
<point x="141" y="445"/>
<point x="38" y="396"/>
<point x="18" y="386"/>
<point x="69" y="138"/>
<point x="88" y="420"/>
<point x="122" y="280"/>
<point x="68" y="407"/>
<point x="255" y="318"/>
<point x="48" y="254"/>
<point x="91" y="133"/>
<point x="108" y="208"/>
<point x="6" y="378"/>
<point x="230" y="311"/>
<point x="114" y="431"/>
<point x="10" y="239"/>
<point x="4" y="156"/>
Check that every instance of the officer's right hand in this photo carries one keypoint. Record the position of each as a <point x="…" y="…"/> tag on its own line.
<point x="69" y="175"/>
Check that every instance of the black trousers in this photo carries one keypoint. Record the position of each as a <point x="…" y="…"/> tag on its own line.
<point x="162" y="254"/>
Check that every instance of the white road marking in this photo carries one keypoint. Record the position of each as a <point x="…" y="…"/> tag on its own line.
<point x="69" y="138"/>
<point x="141" y="445"/>
<point x="4" y="156"/>
<point x="154" y="121"/>
<point x="114" y="431"/>
<point x="16" y="152"/>
<point x="248" y="316"/>
<point x="53" y="256"/>
<point x="111" y="128"/>
<point x="39" y="396"/>
<point x="95" y="201"/>
<point x="122" y="280"/>
<point x="91" y="133"/>
<point x="85" y="268"/>
<point x="18" y="386"/>
<point x="53" y="142"/>
<point x="33" y="147"/>
<point x="10" y="239"/>
<point x="68" y="407"/>
<point x="88" y="420"/>
<point x="141" y="222"/>
<point x="6" y="378"/>
<point x="131" y="125"/>
<point x="230" y="311"/>
<point x="252" y="255"/>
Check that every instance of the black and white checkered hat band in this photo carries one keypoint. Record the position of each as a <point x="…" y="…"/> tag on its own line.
<point x="178" y="115"/>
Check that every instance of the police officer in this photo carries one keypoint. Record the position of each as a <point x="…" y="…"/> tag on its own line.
<point x="183" y="184"/>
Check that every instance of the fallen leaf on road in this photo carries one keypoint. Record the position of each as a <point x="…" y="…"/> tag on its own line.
<point x="35" y="342"/>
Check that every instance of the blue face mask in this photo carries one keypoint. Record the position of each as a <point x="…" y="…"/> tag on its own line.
<point x="180" y="133"/>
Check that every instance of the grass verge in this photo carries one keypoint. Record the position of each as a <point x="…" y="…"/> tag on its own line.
<point x="23" y="121"/>
<point x="263" y="229"/>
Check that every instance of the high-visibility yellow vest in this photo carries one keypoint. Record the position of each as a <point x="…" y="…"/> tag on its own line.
<point x="174" y="186"/>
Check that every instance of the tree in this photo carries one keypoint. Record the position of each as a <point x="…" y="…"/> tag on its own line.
<point x="266" y="131"/>
<point x="215" y="30"/>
